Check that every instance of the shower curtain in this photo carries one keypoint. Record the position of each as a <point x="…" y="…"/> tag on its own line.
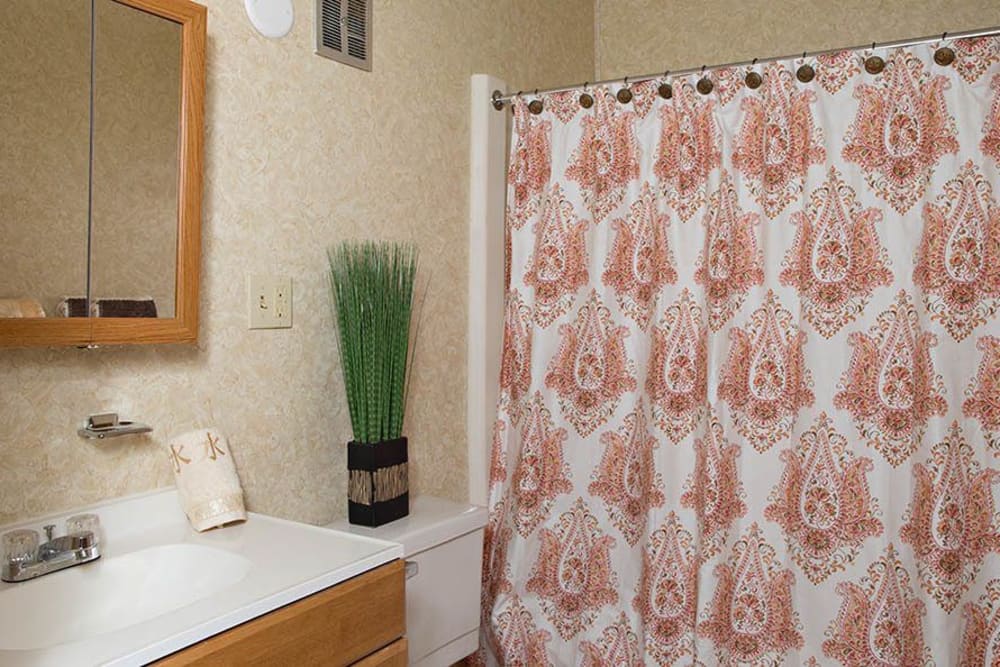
<point x="750" y="404"/>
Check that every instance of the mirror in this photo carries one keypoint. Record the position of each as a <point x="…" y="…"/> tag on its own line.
<point x="133" y="227"/>
<point x="100" y="170"/>
<point x="44" y="154"/>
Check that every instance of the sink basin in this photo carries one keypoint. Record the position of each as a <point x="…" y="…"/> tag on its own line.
<point x="160" y="586"/>
<point x="114" y="593"/>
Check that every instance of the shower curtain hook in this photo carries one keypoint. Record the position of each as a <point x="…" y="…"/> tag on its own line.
<point x="536" y="105"/>
<point x="665" y="90"/>
<point x="752" y="79"/>
<point x="944" y="55"/>
<point x="704" y="85"/>
<point x="625" y="94"/>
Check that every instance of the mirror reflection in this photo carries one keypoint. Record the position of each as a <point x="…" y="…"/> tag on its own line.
<point x="133" y="234"/>
<point x="44" y="154"/>
<point x="92" y="226"/>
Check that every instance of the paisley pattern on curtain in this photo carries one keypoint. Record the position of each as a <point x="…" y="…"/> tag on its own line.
<point x="750" y="388"/>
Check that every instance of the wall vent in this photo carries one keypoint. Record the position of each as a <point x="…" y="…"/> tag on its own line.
<point x="344" y="31"/>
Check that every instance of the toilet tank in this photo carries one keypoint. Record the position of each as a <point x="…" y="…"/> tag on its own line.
<point x="443" y="546"/>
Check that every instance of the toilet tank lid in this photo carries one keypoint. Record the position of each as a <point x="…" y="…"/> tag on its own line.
<point x="432" y="521"/>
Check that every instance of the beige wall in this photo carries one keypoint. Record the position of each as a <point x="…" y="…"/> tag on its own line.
<point x="301" y="152"/>
<point x="643" y="36"/>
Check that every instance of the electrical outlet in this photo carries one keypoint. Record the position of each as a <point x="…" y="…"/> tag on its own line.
<point x="269" y="302"/>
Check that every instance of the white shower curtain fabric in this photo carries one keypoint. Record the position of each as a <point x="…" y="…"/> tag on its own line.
<point x="750" y="387"/>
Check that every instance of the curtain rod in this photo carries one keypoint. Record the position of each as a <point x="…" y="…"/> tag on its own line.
<point x="500" y="100"/>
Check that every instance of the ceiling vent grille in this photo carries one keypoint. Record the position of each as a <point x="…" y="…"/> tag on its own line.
<point x="344" y="31"/>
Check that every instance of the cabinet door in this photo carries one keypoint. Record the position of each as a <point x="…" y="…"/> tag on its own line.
<point x="393" y="655"/>
<point x="335" y="627"/>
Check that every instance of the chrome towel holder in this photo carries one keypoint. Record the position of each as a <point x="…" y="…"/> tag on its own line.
<point x="108" y="425"/>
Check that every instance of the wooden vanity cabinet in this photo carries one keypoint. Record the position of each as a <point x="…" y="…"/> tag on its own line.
<point x="360" y="621"/>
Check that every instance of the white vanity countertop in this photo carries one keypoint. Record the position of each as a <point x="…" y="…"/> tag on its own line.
<point x="283" y="562"/>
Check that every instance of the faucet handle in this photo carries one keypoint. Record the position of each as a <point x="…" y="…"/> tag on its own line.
<point x="81" y="523"/>
<point x="20" y="546"/>
<point x="49" y="529"/>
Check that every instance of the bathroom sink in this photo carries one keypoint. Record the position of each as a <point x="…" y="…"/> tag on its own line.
<point x="160" y="586"/>
<point x="114" y="593"/>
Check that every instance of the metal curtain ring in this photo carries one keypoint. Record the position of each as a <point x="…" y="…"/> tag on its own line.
<point x="704" y="84"/>
<point x="944" y="56"/>
<point x="665" y="90"/>
<point x="536" y="105"/>
<point x="874" y="64"/>
<point x="624" y="95"/>
<point x="805" y="72"/>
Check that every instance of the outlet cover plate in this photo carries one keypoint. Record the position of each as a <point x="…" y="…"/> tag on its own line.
<point x="269" y="301"/>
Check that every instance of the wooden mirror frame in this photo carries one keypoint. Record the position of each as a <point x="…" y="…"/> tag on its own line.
<point x="183" y="327"/>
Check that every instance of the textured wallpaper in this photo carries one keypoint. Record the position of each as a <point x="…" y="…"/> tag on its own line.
<point x="301" y="152"/>
<point x="643" y="36"/>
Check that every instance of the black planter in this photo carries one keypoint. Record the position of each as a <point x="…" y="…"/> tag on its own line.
<point x="378" y="484"/>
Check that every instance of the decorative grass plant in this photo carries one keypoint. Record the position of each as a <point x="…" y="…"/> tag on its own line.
<point x="372" y="283"/>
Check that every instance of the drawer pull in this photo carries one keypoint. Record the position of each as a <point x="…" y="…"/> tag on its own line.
<point x="412" y="568"/>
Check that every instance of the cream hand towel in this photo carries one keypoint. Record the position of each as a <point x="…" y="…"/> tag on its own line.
<point x="207" y="483"/>
<point x="20" y="308"/>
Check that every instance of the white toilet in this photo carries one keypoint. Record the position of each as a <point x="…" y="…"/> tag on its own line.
<point x="443" y="546"/>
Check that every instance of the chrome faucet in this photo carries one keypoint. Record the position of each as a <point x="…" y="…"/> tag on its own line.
<point x="23" y="560"/>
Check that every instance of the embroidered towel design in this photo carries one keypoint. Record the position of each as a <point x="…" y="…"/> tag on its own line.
<point x="209" y="488"/>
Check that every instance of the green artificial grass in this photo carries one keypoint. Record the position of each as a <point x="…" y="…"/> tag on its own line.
<point x="372" y="283"/>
